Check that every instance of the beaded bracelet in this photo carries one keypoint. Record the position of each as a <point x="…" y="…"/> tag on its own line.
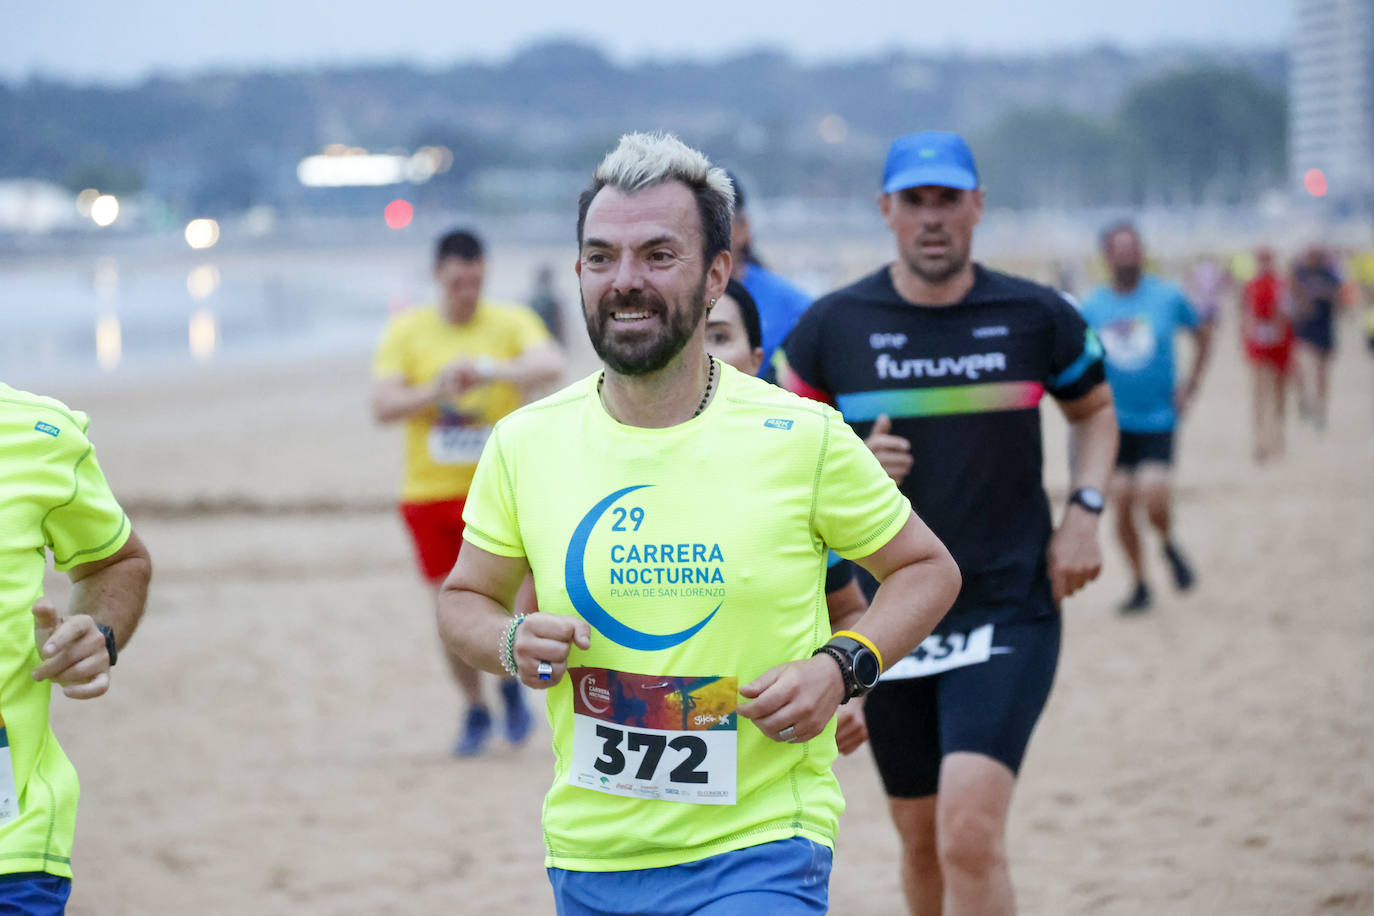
<point x="505" y="649"/>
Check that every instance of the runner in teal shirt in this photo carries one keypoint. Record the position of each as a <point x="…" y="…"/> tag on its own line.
<point x="1137" y="317"/>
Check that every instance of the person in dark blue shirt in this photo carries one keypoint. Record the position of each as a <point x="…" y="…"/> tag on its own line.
<point x="1316" y="291"/>
<point x="1137" y="317"/>
<point x="779" y="303"/>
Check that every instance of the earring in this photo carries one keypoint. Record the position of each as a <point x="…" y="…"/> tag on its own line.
<point x="711" y="304"/>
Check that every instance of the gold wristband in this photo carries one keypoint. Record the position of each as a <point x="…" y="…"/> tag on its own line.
<point x="859" y="637"/>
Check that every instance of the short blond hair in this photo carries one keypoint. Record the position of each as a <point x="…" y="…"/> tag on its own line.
<point x="645" y="160"/>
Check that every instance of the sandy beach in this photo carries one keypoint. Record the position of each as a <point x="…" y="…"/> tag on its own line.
<point x="276" y="738"/>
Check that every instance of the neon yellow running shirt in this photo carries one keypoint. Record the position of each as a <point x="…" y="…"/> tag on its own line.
<point x="698" y="555"/>
<point x="52" y="497"/>
<point x="443" y="441"/>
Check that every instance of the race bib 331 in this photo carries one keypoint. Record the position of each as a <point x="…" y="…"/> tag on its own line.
<point x="945" y="652"/>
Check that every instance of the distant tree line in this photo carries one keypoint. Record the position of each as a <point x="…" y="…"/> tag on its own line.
<point x="1093" y="127"/>
<point x="1203" y="135"/>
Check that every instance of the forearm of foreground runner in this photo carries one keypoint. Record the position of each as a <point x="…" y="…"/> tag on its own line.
<point x="796" y="700"/>
<point x="919" y="582"/>
<point x="475" y="621"/>
<point x="112" y="593"/>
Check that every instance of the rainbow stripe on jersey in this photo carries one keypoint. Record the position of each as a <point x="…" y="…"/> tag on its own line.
<point x="985" y="397"/>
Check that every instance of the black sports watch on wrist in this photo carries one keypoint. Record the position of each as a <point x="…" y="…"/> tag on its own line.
<point x="110" y="646"/>
<point x="1089" y="498"/>
<point x="858" y="665"/>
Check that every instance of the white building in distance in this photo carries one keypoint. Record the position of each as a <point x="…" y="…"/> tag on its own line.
<point x="1331" y="100"/>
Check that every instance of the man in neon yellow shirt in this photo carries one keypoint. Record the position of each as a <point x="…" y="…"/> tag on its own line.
<point x="53" y="497"/>
<point x="450" y="371"/>
<point x="676" y="515"/>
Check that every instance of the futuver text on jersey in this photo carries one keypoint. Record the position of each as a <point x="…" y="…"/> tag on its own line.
<point x="698" y="555"/>
<point x="963" y="383"/>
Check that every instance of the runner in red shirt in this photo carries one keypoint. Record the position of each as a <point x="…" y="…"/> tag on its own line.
<point x="1267" y="334"/>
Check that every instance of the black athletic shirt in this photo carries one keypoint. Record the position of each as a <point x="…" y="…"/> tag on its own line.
<point x="963" y="383"/>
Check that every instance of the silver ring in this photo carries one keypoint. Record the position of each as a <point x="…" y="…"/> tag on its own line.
<point x="787" y="734"/>
<point x="545" y="671"/>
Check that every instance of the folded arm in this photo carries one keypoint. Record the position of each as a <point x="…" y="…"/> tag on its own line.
<point x="112" y="592"/>
<point x="473" y="613"/>
<point x="919" y="581"/>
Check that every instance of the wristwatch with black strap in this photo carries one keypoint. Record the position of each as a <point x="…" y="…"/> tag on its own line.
<point x="110" y="646"/>
<point x="859" y="661"/>
<point x="1089" y="498"/>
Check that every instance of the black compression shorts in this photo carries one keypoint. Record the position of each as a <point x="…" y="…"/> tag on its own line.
<point x="988" y="703"/>
<point x="1137" y="448"/>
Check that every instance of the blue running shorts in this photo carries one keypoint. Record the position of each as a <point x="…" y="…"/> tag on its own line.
<point x="34" y="893"/>
<point x="783" y="878"/>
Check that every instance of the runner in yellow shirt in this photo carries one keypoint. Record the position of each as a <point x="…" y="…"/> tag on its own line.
<point x="676" y="515"/>
<point x="448" y="372"/>
<point x="53" y="497"/>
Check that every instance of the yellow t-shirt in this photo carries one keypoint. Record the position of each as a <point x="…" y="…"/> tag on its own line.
<point x="1362" y="272"/>
<point x="698" y="555"/>
<point x="52" y="497"/>
<point x="443" y="442"/>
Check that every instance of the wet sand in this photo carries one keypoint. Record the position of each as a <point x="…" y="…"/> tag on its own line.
<point x="276" y="738"/>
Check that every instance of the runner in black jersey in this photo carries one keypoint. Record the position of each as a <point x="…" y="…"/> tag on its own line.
<point x="941" y="364"/>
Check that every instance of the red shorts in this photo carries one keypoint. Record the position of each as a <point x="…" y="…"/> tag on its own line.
<point x="1279" y="357"/>
<point x="437" y="530"/>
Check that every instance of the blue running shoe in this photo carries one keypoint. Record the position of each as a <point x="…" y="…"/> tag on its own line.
<point x="518" y="718"/>
<point x="476" y="732"/>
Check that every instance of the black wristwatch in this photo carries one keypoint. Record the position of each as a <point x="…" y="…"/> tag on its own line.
<point x="1089" y="498"/>
<point x="110" y="646"/>
<point x="858" y="665"/>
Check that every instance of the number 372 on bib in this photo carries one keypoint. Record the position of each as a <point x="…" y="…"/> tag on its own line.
<point x="655" y="736"/>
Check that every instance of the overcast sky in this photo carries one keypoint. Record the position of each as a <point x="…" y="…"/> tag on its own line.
<point x="120" y="40"/>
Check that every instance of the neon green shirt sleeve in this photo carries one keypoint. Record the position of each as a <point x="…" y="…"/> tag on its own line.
<point x="858" y="507"/>
<point x="87" y="524"/>
<point x="489" y="515"/>
<point x="52" y="494"/>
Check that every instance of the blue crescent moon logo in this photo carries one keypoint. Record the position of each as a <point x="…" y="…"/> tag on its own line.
<point x="575" y="580"/>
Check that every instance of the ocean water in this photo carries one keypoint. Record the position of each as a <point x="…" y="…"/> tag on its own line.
<point x="144" y="305"/>
<point x="117" y="306"/>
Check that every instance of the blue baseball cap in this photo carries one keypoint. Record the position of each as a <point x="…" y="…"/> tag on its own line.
<point x="931" y="157"/>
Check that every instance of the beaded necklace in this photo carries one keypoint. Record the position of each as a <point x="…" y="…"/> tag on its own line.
<point x="706" y="395"/>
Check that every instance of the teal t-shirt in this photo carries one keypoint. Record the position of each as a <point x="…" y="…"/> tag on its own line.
<point x="1137" y="331"/>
